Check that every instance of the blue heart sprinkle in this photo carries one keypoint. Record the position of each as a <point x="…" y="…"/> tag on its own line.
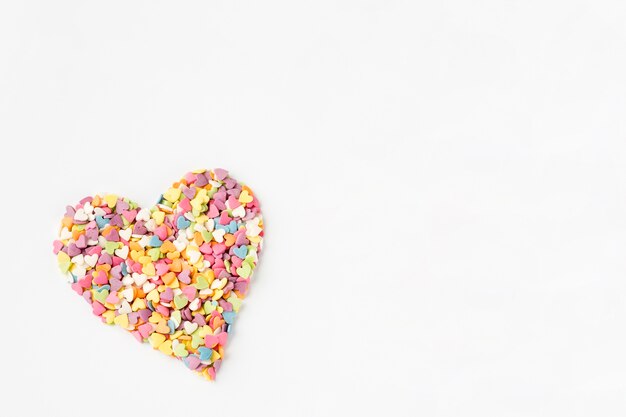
<point x="232" y="226"/>
<point x="241" y="251"/>
<point x="101" y="221"/>
<point x="155" y="242"/>
<point x="229" y="316"/>
<point x="182" y="223"/>
<point x="205" y="353"/>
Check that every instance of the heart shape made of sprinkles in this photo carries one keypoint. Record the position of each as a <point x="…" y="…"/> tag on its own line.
<point x="173" y="275"/>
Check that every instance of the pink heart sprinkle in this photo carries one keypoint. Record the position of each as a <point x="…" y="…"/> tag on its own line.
<point x="81" y="242"/>
<point x="57" y="245"/>
<point x="220" y="173"/>
<point x="100" y="278"/>
<point x="161" y="232"/>
<point x="97" y="308"/>
<point x="233" y="202"/>
<point x="213" y="211"/>
<point x="190" y="292"/>
<point x="185" y="205"/>
<point x="145" y="330"/>
<point x="183" y="276"/>
<point x="210" y="341"/>
<point x="161" y="268"/>
<point x="129" y="215"/>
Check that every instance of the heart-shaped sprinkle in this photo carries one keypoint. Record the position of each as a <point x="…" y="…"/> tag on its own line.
<point x="245" y="270"/>
<point x="190" y="327"/>
<point x="241" y="251"/>
<point x="173" y="275"/>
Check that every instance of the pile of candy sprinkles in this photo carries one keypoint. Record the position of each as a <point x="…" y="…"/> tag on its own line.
<point x="174" y="275"/>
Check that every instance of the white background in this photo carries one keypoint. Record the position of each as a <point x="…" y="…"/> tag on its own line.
<point x="443" y="184"/>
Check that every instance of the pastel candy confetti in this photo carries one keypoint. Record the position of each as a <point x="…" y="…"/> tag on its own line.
<point x="174" y="275"/>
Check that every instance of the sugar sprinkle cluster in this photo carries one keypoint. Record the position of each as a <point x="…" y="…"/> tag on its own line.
<point x="173" y="275"/>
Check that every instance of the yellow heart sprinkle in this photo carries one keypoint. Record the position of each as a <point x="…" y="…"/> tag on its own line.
<point x="166" y="347"/>
<point x="156" y="340"/>
<point x="155" y="317"/>
<point x="121" y="320"/>
<point x="153" y="296"/>
<point x="138" y="304"/>
<point x="245" y="197"/>
<point x="111" y="200"/>
<point x="158" y="217"/>
<point x="149" y="270"/>
<point x="109" y="315"/>
<point x="63" y="257"/>
<point x="172" y="194"/>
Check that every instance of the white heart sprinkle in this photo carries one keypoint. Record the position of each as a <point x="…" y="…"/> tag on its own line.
<point x="78" y="260"/>
<point x="239" y="211"/>
<point x="126" y="233"/>
<point x="139" y="279"/>
<point x="80" y="215"/>
<point x="65" y="234"/>
<point x="79" y="271"/>
<point x="125" y="308"/>
<point x="91" y="260"/>
<point x="143" y="242"/>
<point x="128" y="294"/>
<point x="190" y="327"/>
<point x="194" y="255"/>
<point x="180" y="245"/>
<point x="143" y="214"/>
<point x="218" y="235"/>
<point x="218" y="283"/>
<point x="252" y="227"/>
<point x="122" y="252"/>
<point x="150" y="225"/>
<point x="194" y="305"/>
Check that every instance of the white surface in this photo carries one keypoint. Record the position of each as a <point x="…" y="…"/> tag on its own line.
<point x="443" y="185"/>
